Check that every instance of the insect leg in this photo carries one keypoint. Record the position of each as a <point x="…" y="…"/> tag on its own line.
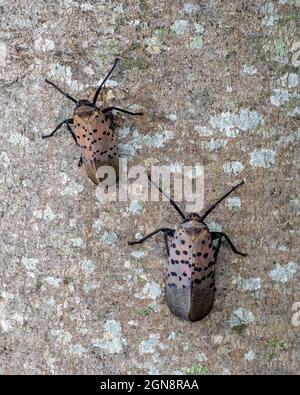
<point x="219" y="235"/>
<point x="58" y="127"/>
<point x="167" y="245"/>
<point x="219" y="240"/>
<point x="121" y="110"/>
<point x="71" y="131"/>
<point x="61" y="91"/>
<point x="149" y="235"/>
<point x="80" y="161"/>
<point x="166" y="234"/>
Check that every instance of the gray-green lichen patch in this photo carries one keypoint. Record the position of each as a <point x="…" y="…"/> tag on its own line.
<point x="214" y="227"/>
<point x="134" y="144"/>
<point x="43" y="44"/>
<point x="279" y="97"/>
<point x="196" y="43"/>
<point x="249" y="356"/>
<point x="203" y="130"/>
<point x="77" y="242"/>
<point x="158" y="140"/>
<point x="283" y="273"/>
<point x="285" y="90"/>
<point x="234" y="203"/>
<point x="290" y="80"/>
<point x="29" y="263"/>
<point x="78" y="350"/>
<point x="151" y="345"/>
<point x="262" y="158"/>
<point x="98" y="225"/>
<point x="294" y="113"/>
<point x="153" y="45"/>
<point x="53" y="282"/>
<point x="109" y="238"/>
<point x="135" y="207"/>
<point x="180" y="26"/>
<point x="88" y="266"/>
<point x="60" y="72"/>
<point x="48" y="214"/>
<point x="18" y="139"/>
<point x="112" y="341"/>
<point x="72" y="189"/>
<point x="249" y="69"/>
<point x="150" y="291"/>
<point x="201" y="357"/>
<point x="280" y="51"/>
<point x="61" y="336"/>
<point x="247" y="284"/>
<point x="269" y="11"/>
<point x="234" y="167"/>
<point x="136" y="141"/>
<point x="138" y="254"/>
<point x="241" y="317"/>
<point x="231" y="124"/>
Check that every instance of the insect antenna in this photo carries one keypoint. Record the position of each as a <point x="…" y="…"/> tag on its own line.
<point x="61" y="91"/>
<point x="220" y="200"/>
<point x="103" y="82"/>
<point x="168" y="197"/>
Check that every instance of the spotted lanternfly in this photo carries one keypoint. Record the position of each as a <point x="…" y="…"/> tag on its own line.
<point x="192" y="251"/>
<point x="93" y="131"/>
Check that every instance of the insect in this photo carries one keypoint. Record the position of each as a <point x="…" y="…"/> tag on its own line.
<point x="93" y="131"/>
<point x="192" y="251"/>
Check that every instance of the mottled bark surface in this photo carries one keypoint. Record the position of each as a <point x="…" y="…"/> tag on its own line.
<point x="219" y="83"/>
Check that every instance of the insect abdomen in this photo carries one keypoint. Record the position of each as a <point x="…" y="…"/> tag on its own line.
<point x="179" y="300"/>
<point x="201" y="303"/>
<point x="190" y="304"/>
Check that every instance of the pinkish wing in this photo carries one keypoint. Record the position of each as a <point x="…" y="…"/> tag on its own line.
<point x="179" y="268"/>
<point x="203" y="276"/>
<point x="96" y="137"/>
<point x="203" y="273"/>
